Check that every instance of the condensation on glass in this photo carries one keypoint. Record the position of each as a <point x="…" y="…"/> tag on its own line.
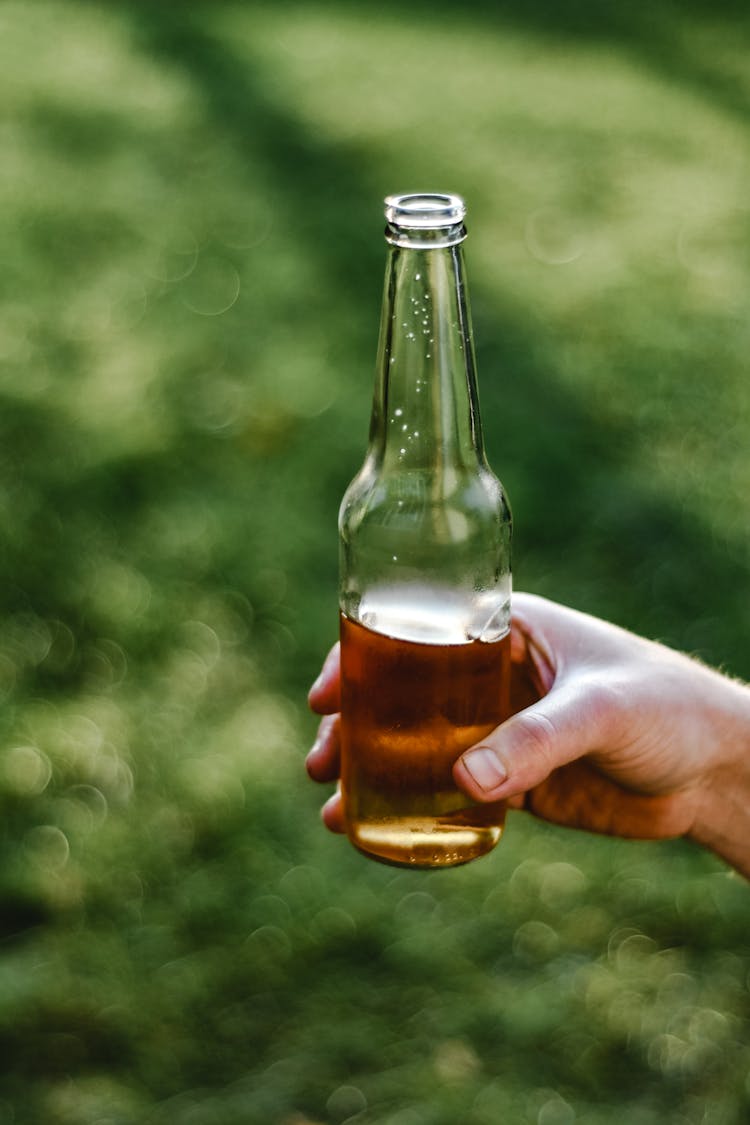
<point x="425" y="570"/>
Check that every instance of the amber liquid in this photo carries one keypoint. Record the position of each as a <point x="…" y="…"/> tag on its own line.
<point x="409" y="709"/>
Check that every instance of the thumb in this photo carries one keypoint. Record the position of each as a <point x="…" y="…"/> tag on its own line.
<point x="570" y="721"/>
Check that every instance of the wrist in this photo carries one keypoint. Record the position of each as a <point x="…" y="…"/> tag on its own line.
<point x="722" y="823"/>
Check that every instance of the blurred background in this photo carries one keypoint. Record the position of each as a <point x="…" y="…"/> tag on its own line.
<point x="192" y="263"/>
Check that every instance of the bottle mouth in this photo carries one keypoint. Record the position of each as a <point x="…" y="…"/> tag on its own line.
<point x="425" y="219"/>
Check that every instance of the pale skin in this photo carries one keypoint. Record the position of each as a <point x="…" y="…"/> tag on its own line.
<point x="611" y="733"/>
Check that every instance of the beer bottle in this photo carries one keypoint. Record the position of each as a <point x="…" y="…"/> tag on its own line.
<point x="425" y="580"/>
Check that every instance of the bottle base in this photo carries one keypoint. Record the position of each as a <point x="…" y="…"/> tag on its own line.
<point x="422" y="842"/>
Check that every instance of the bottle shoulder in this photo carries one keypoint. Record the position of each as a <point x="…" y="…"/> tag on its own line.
<point x="417" y="496"/>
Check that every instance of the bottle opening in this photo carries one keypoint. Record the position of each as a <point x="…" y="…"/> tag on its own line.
<point x="424" y="210"/>
<point x="425" y="219"/>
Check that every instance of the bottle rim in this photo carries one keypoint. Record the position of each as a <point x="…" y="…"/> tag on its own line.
<point x="424" y="210"/>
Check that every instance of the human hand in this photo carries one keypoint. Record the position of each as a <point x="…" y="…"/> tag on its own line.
<point x="611" y="733"/>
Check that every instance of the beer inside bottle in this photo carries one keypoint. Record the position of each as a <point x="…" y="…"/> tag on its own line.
<point x="425" y="582"/>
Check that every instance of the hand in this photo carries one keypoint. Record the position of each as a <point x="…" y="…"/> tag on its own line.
<point x="611" y="733"/>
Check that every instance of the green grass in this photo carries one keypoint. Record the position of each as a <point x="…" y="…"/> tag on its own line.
<point x="192" y="267"/>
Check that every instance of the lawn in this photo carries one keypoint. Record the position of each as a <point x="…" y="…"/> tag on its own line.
<point x="191" y="224"/>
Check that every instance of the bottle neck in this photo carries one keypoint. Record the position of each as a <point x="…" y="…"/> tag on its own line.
<point x="425" y="411"/>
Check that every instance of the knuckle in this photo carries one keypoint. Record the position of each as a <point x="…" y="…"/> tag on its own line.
<point x="607" y="702"/>
<point x="539" y="736"/>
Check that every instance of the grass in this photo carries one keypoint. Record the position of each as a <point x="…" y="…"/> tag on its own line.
<point x="192" y="249"/>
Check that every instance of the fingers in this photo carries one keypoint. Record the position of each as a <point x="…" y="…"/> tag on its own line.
<point x="571" y="721"/>
<point x="324" y="696"/>
<point x="332" y="813"/>
<point x="579" y="796"/>
<point x="323" y="761"/>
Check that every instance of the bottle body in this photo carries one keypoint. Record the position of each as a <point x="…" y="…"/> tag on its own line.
<point x="424" y="532"/>
<point x="410" y="708"/>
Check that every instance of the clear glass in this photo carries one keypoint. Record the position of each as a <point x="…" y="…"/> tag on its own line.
<point x="425" y="573"/>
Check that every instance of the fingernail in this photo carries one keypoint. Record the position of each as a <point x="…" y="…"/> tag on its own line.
<point x="485" y="768"/>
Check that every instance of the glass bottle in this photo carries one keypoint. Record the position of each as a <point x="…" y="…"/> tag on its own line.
<point x="425" y="577"/>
